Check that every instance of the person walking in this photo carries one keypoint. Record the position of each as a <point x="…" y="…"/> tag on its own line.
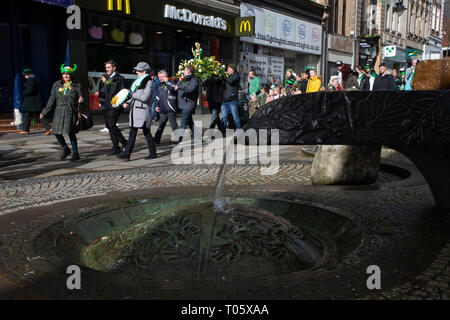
<point x="113" y="84"/>
<point x="166" y="104"/>
<point x="230" y="97"/>
<point x="314" y="83"/>
<point x="187" y="94"/>
<point x="140" y="105"/>
<point x="33" y="102"/>
<point x="384" y="81"/>
<point x="65" y="98"/>
<point x="214" y="96"/>
<point x="156" y="83"/>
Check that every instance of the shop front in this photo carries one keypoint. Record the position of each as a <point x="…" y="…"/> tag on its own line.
<point x="161" y="33"/>
<point x="280" y="42"/>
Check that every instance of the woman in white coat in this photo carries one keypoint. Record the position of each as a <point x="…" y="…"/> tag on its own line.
<point x="140" y="106"/>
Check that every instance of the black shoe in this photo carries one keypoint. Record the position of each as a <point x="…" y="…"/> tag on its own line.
<point x="75" y="157"/>
<point x="124" y="156"/>
<point x="124" y="145"/>
<point x="65" y="154"/>
<point x="152" y="156"/>
<point x="113" y="152"/>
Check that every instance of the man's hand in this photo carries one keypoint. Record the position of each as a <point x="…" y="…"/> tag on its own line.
<point x="80" y="100"/>
<point x="97" y="93"/>
<point x="157" y="109"/>
<point x="125" y="105"/>
<point x="41" y="116"/>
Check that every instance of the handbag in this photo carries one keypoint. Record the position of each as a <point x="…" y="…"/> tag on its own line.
<point x="85" y="122"/>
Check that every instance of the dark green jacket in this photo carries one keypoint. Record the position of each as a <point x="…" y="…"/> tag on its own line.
<point x="66" y="108"/>
<point x="32" y="97"/>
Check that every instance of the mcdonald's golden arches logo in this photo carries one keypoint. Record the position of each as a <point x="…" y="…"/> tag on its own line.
<point x="120" y="6"/>
<point x="245" y="26"/>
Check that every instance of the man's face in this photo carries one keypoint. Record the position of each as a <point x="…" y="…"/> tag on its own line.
<point x="368" y="71"/>
<point x="162" y="77"/>
<point x="27" y="76"/>
<point x="187" y="72"/>
<point x="340" y="67"/>
<point x="140" y="73"/>
<point x="110" y="69"/>
<point x="382" y="69"/>
<point x="230" y="70"/>
<point x="251" y="75"/>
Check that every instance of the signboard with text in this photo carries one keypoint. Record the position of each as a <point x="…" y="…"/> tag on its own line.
<point x="245" y="26"/>
<point x="277" y="30"/>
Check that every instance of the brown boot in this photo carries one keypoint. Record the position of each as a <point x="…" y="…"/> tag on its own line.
<point x="23" y="132"/>
<point x="48" y="132"/>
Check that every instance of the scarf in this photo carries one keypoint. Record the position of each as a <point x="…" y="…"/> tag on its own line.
<point x="67" y="85"/>
<point x="137" y="82"/>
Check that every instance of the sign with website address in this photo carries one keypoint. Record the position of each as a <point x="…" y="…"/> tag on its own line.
<point x="282" y="31"/>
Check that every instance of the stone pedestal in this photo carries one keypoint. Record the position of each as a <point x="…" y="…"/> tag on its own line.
<point x="345" y="165"/>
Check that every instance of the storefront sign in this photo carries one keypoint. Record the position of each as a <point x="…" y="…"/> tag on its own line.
<point x="390" y="51"/>
<point x="281" y="31"/>
<point x="120" y="5"/>
<point x="245" y="26"/>
<point x="186" y="15"/>
<point x="267" y="67"/>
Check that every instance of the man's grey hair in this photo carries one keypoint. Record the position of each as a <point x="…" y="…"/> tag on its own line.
<point x="163" y="72"/>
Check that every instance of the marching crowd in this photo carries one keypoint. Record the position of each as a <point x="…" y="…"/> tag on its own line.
<point x="155" y="96"/>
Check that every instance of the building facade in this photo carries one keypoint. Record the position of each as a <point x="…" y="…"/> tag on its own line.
<point x="433" y="48"/>
<point x="288" y="35"/>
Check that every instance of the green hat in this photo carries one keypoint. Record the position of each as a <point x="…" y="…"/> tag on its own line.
<point x="27" y="71"/>
<point x="68" y="69"/>
<point x="307" y="68"/>
<point x="367" y="66"/>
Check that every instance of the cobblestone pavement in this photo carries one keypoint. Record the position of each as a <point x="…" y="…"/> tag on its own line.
<point x="33" y="179"/>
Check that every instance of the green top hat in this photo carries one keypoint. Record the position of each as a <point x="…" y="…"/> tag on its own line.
<point x="68" y="69"/>
<point x="27" y="71"/>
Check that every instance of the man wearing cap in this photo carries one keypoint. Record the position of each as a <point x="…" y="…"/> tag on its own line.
<point x="33" y="102"/>
<point x="368" y="79"/>
<point x="140" y="105"/>
<point x="113" y="84"/>
<point x="339" y="66"/>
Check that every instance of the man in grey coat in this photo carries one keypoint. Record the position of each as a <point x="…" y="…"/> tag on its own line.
<point x="140" y="105"/>
<point x="187" y="88"/>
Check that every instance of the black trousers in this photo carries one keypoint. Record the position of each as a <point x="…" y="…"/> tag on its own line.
<point x="163" y="117"/>
<point x="27" y="116"/>
<point x="132" y="139"/>
<point x="111" y="116"/>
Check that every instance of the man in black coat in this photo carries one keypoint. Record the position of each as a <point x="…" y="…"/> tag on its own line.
<point x="33" y="102"/>
<point x="113" y="84"/>
<point x="187" y="88"/>
<point x="166" y="104"/>
<point x="214" y="96"/>
<point x="384" y="81"/>
<point x="231" y="97"/>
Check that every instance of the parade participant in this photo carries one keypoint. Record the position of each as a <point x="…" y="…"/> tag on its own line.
<point x="140" y="111"/>
<point x="231" y="97"/>
<point x="384" y="81"/>
<point x="187" y="94"/>
<point x="113" y="84"/>
<point x="32" y="104"/>
<point x="65" y="98"/>
<point x="166" y="104"/>
<point x="214" y="96"/>
<point x="314" y="83"/>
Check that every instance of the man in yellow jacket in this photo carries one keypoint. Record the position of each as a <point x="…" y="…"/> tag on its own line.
<point x="314" y="82"/>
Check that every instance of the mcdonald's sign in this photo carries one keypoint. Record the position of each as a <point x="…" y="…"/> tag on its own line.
<point x="245" y="26"/>
<point x="121" y="5"/>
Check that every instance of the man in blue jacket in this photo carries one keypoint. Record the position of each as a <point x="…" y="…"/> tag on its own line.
<point x="187" y="88"/>
<point x="166" y="104"/>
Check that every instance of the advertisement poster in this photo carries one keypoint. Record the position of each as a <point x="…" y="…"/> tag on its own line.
<point x="281" y="31"/>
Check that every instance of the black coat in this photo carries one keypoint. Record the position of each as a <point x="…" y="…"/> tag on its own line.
<point x="108" y="91"/>
<point x="231" y="88"/>
<point x="166" y="98"/>
<point x="303" y="85"/>
<point x="214" y="90"/>
<point x="384" y="82"/>
<point x="188" y="93"/>
<point x="32" y="96"/>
